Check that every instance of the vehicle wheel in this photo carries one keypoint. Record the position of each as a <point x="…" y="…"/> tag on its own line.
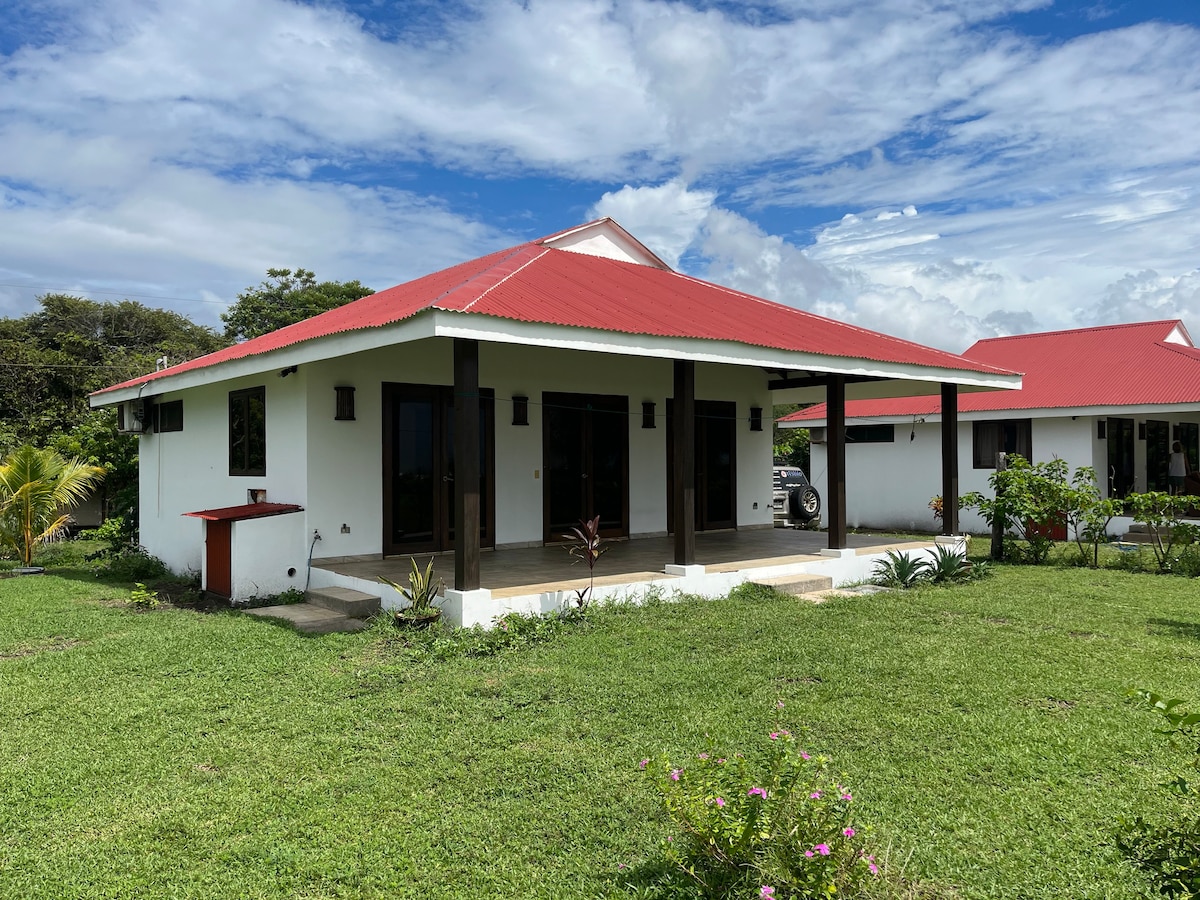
<point x="804" y="503"/>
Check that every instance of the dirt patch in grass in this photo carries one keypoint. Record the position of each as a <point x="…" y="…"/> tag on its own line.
<point x="47" y="645"/>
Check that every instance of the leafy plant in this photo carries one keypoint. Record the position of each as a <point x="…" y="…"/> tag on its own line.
<point x="421" y="593"/>
<point x="1162" y="513"/>
<point x="1088" y="514"/>
<point x="133" y="564"/>
<point x="141" y="598"/>
<point x="780" y="829"/>
<point x="901" y="570"/>
<point x="947" y="565"/>
<point x="1169" y="854"/>
<point x="1028" y="499"/>
<point x="35" y="487"/>
<point x="936" y="505"/>
<point x="587" y="546"/>
<point x="116" y="531"/>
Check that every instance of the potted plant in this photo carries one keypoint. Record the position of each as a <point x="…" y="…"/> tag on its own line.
<point x="421" y="593"/>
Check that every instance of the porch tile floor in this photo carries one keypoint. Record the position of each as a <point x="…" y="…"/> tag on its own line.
<point x="531" y="570"/>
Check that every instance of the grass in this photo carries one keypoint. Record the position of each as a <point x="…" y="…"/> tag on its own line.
<point x="170" y="753"/>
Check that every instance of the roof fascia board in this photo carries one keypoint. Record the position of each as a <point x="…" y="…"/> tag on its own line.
<point x="510" y="331"/>
<point x="415" y="328"/>
<point x="984" y="415"/>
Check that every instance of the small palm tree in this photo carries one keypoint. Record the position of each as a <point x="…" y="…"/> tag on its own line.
<point x="36" y="486"/>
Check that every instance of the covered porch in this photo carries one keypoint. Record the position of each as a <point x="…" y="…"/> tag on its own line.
<point x="541" y="579"/>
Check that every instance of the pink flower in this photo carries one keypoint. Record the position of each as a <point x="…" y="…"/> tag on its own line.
<point x="847" y="796"/>
<point x="848" y="832"/>
<point x="874" y="868"/>
<point x="720" y="801"/>
<point x="774" y="735"/>
<point x="643" y="763"/>
<point x="804" y="755"/>
<point x="808" y="853"/>
<point x="766" y="892"/>
<point x="779" y="704"/>
<point x="721" y="761"/>
<point x="823" y="849"/>
<point x="703" y="756"/>
<point x="675" y="773"/>
<point x="757" y="791"/>
<point x="815" y="795"/>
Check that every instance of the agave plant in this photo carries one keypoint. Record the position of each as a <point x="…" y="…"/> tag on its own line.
<point x="948" y="565"/>
<point x="37" y="490"/>
<point x="421" y="593"/>
<point x="901" y="570"/>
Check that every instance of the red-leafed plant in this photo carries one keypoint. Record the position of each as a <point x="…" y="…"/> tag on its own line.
<point x="588" y="546"/>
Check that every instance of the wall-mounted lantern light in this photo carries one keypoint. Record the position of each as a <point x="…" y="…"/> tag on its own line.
<point x="647" y="413"/>
<point x="756" y="418"/>
<point x="344" y="408"/>
<point x="520" y="410"/>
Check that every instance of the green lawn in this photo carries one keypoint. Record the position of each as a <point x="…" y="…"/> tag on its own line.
<point x="175" y="754"/>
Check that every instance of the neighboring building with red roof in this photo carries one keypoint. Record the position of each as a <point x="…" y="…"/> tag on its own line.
<point x="571" y="345"/>
<point x="1114" y="398"/>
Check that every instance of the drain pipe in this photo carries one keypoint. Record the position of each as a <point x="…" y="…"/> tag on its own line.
<point x="308" y="571"/>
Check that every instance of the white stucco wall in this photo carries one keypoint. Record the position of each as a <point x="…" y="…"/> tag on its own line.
<point x="334" y="469"/>
<point x="268" y="555"/>
<point x="188" y="470"/>
<point x="890" y="485"/>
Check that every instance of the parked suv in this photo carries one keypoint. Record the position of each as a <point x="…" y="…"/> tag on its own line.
<point x="796" y="501"/>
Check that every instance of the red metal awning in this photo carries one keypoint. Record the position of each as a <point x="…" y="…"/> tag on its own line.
<point x="245" y="511"/>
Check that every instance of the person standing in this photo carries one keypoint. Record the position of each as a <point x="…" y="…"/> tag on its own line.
<point x="1178" y="471"/>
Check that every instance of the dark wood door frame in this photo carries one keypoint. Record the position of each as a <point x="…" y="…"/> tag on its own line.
<point x="604" y="403"/>
<point x="707" y="414"/>
<point x="442" y="399"/>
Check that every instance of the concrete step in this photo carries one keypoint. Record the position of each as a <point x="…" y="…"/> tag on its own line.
<point x="309" y="618"/>
<point x="797" y="584"/>
<point x="347" y="601"/>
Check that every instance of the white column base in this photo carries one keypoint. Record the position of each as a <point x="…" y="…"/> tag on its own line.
<point x="839" y="552"/>
<point x="683" y="571"/>
<point x="469" y="608"/>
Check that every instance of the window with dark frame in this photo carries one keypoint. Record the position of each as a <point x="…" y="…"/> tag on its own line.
<point x="169" y="415"/>
<point x="870" y="434"/>
<point x="248" y="431"/>
<point x="1000" y="436"/>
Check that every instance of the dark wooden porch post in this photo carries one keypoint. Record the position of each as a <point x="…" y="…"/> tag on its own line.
<point x="466" y="464"/>
<point x="949" y="459"/>
<point x="835" y="405"/>
<point x="683" y="491"/>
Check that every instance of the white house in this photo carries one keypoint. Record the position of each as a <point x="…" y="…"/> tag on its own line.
<point x="1114" y="398"/>
<point x="515" y="393"/>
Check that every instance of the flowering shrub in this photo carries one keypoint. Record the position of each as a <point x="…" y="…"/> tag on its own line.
<point x="782" y="830"/>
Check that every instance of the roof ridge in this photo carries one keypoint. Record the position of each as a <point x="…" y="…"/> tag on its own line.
<point x="1092" y="328"/>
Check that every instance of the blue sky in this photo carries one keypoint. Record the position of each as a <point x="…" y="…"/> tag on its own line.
<point x="939" y="170"/>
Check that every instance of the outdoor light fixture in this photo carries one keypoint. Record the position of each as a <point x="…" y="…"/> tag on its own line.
<point x="756" y="418"/>
<point x="1141" y="431"/>
<point x="647" y="413"/>
<point x="520" y="410"/>
<point x="344" y="409"/>
<point x="284" y="373"/>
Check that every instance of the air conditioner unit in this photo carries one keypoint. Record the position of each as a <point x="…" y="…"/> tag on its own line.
<point x="132" y="417"/>
<point x="817" y="436"/>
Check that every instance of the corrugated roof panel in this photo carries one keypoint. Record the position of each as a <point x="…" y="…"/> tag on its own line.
<point x="538" y="284"/>
<point x="1113" y="365"/>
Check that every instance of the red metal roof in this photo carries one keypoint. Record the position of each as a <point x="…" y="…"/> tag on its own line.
<point x="540" y="284"/>
<point x="245" y="511"/>
<point x="1113" y="365"/>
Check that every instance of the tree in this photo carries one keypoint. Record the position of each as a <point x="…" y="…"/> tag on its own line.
<point x="284" y="298"/>
<point x="50" y="360"/>
<point x="791" y="445"/>
<point x="1030" y="499"/>
<point x="35" y="487"/>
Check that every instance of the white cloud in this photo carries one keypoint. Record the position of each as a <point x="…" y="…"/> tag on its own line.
<point x="665" y="218"/>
